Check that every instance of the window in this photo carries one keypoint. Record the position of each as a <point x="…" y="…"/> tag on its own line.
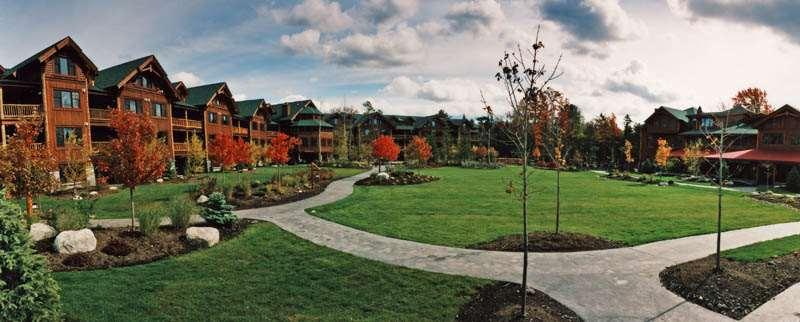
<point x="66" y="99"/>
<point x="225" y="119"/>
<point x="794" y="139"/>
<point x="133" y="106"/>
<point x="212" y="117"/>
<point x="707" y="122"/>
<point x="772" y="138"/>
<point x="158" y="110"/>
<point x="64" y="66"/>
<point x="63" y="133"/>
<point x="143" y="82"/>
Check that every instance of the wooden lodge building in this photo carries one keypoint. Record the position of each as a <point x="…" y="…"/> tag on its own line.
<point x="304" y="120"/>
<point x="763" y="147"/>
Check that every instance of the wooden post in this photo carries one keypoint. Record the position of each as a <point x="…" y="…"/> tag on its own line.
<point x="3" y="133"/>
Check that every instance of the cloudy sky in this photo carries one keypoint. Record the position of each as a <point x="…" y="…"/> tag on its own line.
<point x="415" y="56"/>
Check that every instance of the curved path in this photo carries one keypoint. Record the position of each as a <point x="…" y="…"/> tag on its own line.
<point x="618" y="284"/>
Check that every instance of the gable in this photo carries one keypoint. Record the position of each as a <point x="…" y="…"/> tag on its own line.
<point x="65" y="45"/>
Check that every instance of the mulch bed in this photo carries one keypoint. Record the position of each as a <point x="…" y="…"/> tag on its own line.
<point x="548" y="242"/>
<point x="292" y="195"/>
<point x="501" y="302"/>
<point x="793" y="202"/>
<point x="396" y="179"/>
<point x="118" y="247"/>
<point x="739" y="289"/>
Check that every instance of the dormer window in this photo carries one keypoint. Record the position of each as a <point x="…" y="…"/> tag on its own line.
<point x="225" y="119"/>
<point x="707" y="122"/>
<point x="142" y="81"/>
<point x="64" y="66"/>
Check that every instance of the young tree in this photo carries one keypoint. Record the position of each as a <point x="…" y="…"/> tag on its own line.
<point x="78" y="158"/>
<point x="242" y="152"/>
<point x="489" y="125"/>
<point x="551" y="109"/>
<point x="385" y="149"/>
<point x="224" y="151"/>
<point x="693" y="156"/>
<point x="279" y="148"/>
<point x="419" y="150"/>
<point x="662" y="152"/>
<point x="196" y="155"/>
<point x="522" y="75"/>
<point x="628" y="154"/>
<point x="342" y="141"/>
<point x="28" y="166"/>
<point x="753" y="99"/>
<point x="136" y="155"/>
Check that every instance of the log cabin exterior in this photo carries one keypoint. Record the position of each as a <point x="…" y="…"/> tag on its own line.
<point x="255" y="117"/>
<point x="303" y="120"/>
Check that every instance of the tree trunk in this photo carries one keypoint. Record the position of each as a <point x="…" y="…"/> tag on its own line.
<point x="29" y="206"/>
<point x="558" y="198"/>
<point x="525" y="230"/>
<point x="133" y="210"/>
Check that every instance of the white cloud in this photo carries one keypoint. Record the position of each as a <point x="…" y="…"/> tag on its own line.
<point x="292" y="98"/>
<point x="189" y="79"/>
<point x="633" y="80"/>
<point x="318" y="14"/>
<point x="239" y="97"/>
<point x="476" y="16"/>
<point x="387" y="48"/>
<point x="438" y="90"/>
<point x="306" y="42"/>
<point x="388" y="11"/>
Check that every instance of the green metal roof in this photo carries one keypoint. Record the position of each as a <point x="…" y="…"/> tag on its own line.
<point x="113" y="75"/>
<point x="682" y="115"/>
<point x="297" y="107"/>
<point x="6" y="73"/>
<point x="312" y="123"/>
<point x="249" y="108"/>
<point x="738" y="129"/>
<point x="200" y="95"/>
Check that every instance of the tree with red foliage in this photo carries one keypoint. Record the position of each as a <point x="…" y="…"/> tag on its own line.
<point x="385" y="149"/>
<point x="136" y="156"/>
<point x="419" y="150"/>
<point x="754" y="99"/>
<point x="242" y="152"/>
<point x="279" y="148"/>
<point x="223" y="150"/>
<point x="26" y="167"/>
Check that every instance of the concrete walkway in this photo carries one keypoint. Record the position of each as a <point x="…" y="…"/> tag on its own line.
<point x="607" y="285"/>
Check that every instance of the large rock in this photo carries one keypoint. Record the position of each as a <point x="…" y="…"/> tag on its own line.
<point x="40" y="231"/>
<point x="202" y="199"/>
<point x="206" y="236"/>
<point x="75" y="241"/>
<point x="383" y="176"/>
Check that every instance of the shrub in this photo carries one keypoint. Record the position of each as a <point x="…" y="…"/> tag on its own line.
<point x="149" y="220"/>
<point x="675" y="165"/>
<point x="208" y="186"/>
<point x="68" y="218"/>
<point x="480" y="165"/>
<point x="246" y="187"/>
<point x="29" y="292"/>
<point x="217" y="211"/>
<point x="648" y="166"/>
<point x="181" y="211"/>
<point x="793" y="180"/>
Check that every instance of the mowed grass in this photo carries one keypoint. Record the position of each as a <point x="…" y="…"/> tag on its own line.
<point x="265" y="274"/>
<point x="468" y="206"/>
<point x="764" y="250"/>
<point x="117" y="205"/>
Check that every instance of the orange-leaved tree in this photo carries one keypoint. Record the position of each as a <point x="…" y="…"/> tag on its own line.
<point x="223" y="151"/>
<point x="385" y="149"/>
<point x="136" y="156"/>
<point x="419" y="150"/>
<point x="662" y="152"/>
<point x="242" y="152"/>
<point x="26" y="167"/>
<point x="753" y="99"/>
<point x="279" y="148"/>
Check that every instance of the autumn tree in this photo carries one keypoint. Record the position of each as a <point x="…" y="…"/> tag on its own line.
<point x="27" y="167"/>
<point x="341" y="140"/>
<point x="78" y="157"/>
<point x="196" y="155"/>
<point x="753" y="99"/>
<point x="224" y="151"/>
<point x="627" y="152"/>
<point x="419" y="150"/>
<point x="385" y="149"/>
<point x="481" y="152"/>
<point x="522" y="74"/>
<point x="279" y="148"/>
<point x="242" y="152"/>
<point x="550" y="126"/>
<point x="693" y="156"/>
<point x="662" y="152"/>
<point x="136" y="156"/>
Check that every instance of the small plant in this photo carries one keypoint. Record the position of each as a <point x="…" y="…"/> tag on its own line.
<point x="217" y="211"/>
<point x="647" y="166"/>
<point x="793" y="180"/>
<point x="68" y="218"/>
<point x="181" y="211"/>
<point x="208" y="186"/>
<point x="149" y="220"/>
<point x="246" y="187"/>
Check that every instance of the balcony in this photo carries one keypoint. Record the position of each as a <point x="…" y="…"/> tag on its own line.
<point x="99" y="115"/>
<point x="240" y="130"/>
<point x="186" y="123"/>
<point x="20" y="111"/>
<point x="181" y="147"/>
<point x="99" y="145"/>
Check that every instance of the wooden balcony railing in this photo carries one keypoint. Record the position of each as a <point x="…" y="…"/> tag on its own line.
<point x="39" y="146"/>
<point x="17" y="111"/>
<point x="185" y="123"/>
<point x="98" y="145"/>
<point x="181" y="146"/>
<point x="99" y="114"/>
<point x="240" y="130"/>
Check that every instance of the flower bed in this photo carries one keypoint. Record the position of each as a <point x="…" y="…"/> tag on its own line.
<point x="395" y="178"/>
<point x="500" y="302"/>
<point x="790" y="201"/>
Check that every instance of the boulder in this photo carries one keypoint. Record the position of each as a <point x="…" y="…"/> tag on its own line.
<point x="383" y="176"/>
<point x="40" y="231"/>
<point x="75" y="241"/>
<point x="160" y="180"/>
<point x="202" y="199"/>
<point x="205" y="236"/>
<point x="113" y="188"/>
<point x="94" y="193"/>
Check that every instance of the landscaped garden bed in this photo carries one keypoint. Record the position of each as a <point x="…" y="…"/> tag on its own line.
<point x="790" y="201"/>
<point x="750" y="277"/>
<point x="548" y="242"/>
<point x="501" y="302"/>
<point x="395" y="178"/>
<point x="118" y="247"/>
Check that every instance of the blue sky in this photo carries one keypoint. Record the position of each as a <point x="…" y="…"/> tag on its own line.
<point x="414" y="57"/>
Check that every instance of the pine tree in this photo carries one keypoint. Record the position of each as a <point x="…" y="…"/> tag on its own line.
<point x="793" y="180"/>
<point x="217" y="211"/>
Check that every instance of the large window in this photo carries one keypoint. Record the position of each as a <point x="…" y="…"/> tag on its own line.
<point x="64" y="66"/>
<point x="133" y="106"/>
<point x="158" y="110"/>
<point x="66" y="99"/>
<point x="63" y="133"/>
<point x="212" y="117"/>
<point x="143" y="81"/>
<point x="794" y="139"/>
<point x="224" y="119"/>
<point x="707" y="122"/>
<point x="772" y="138"/>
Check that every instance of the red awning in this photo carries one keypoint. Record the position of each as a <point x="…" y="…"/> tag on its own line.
<point x="676" y="153"/>
<point x="760" y="155"/>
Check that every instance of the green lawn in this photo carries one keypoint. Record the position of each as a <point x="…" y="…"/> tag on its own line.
<point x="266" y="274"/>
<point x="764" y="250"/>
<point x="468" y="206"/>
<point x="117" y="205"/>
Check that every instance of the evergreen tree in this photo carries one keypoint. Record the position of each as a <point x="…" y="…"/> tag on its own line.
<point x="217" y="211"/>
<point x="793" y="180"/>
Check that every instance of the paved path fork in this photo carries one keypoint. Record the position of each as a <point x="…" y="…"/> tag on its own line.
<point x="610" y="285"/>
